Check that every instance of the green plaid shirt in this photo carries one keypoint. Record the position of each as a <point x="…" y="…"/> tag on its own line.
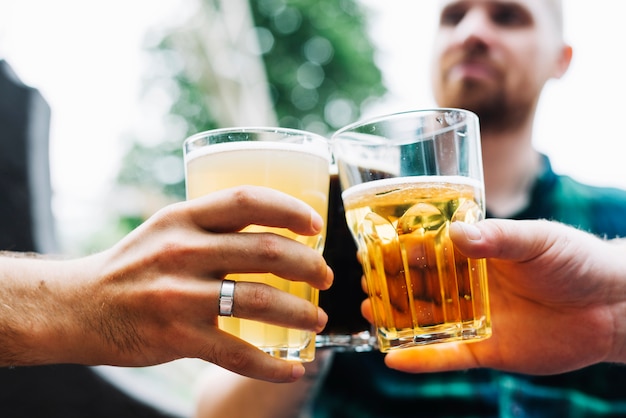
<point x="360" y="385"/>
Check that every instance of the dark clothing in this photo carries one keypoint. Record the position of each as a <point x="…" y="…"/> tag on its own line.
<point x="599" y="210"/>
<point x="66" y="391"/>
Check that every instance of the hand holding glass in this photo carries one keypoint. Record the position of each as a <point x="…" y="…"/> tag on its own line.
<point x="292" y="161"/>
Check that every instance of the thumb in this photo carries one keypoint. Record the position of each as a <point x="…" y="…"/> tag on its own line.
<point x="507" y="239"/>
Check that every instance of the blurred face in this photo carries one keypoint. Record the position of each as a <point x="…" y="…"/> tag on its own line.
<point x="494" y="56"/>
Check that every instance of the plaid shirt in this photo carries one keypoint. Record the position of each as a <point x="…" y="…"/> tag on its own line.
<point x="360" y="385"/>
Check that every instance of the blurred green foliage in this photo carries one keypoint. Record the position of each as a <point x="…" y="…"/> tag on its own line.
<point x="320" y="68"/>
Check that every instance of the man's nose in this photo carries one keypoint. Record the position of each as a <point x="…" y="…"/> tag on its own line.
<point x="476" y="29"/>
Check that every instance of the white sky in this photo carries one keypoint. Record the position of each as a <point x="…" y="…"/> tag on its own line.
<point x="85" y="57"/>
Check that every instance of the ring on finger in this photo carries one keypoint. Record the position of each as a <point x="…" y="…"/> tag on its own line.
<point x="227" y="298"/>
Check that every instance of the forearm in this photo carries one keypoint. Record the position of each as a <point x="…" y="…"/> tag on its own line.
<point x="36" y="305"/>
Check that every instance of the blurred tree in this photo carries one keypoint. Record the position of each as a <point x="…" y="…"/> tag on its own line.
<point x="304" y="64"/>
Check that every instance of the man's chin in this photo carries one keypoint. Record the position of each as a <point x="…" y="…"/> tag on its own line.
<point x="475" y="105"/>
<point x="467" y="92"/>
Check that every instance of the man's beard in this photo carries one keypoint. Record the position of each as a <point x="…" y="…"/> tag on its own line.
<point x="496" y="111"/>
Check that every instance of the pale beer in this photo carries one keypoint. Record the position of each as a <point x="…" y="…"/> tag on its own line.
<point x="295" y="169"/>
<point x="422" y="290"/>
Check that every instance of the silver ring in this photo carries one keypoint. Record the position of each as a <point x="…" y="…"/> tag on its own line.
<point x="227" y="298"/>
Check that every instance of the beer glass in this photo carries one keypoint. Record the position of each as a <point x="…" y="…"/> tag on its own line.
<point x="405" y="177"/>
<point x="292" y="161"/>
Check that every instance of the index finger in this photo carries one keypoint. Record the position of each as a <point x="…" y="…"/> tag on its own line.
<point x="233" y="209"/>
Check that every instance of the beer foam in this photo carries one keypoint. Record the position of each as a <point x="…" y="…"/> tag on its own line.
<point x="383" y="184"/>
<point x="311" y="149"/>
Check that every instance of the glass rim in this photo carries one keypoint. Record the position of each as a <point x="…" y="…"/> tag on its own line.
<point x="378" y="118"/>
<point x="253" y="129"/>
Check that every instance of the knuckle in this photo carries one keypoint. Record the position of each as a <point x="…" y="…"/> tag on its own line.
<point x="244" y="197"/>
<point x="235" y="359"/>
<point x="269" y="246"/>
<point x="167" y="215"/>
<point x="261" y="299"/>
<point x="305" y="316"/>
<point x="210" y="352"/>
<point x="173" y="255"/>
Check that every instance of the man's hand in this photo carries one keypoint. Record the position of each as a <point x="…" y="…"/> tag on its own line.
<point x="558" y="299"/>
<point x="153" y="297"/>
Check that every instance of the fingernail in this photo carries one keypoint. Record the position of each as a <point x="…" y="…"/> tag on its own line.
<point x="297" y="371"/>
<point x="316" y="221"/>
<point x="322" y="318"/>
<point x="472" y="233"/>
<point x="330" y="277"/>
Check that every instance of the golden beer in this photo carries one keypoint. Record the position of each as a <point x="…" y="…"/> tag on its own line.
<point x="422" y="290"/>
<point x="295" y="169"/>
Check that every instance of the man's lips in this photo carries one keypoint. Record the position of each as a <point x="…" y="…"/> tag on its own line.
<point x="472" y="70"/>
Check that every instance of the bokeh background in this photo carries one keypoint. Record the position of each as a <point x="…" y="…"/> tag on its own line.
<point x="127" y="81"/>
<point x="114" y="86"/>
